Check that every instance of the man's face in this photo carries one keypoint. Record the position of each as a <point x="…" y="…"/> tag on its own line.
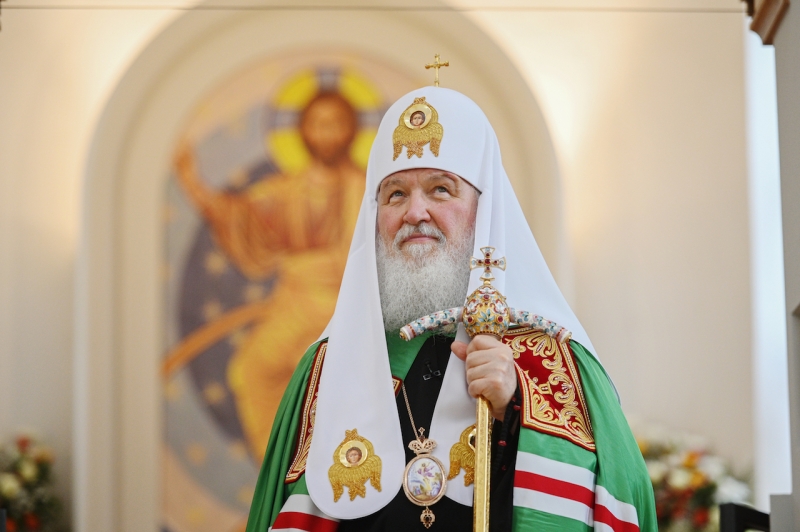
<point x="441" y="199"/>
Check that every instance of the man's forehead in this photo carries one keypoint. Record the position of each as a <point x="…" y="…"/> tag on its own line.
<point x="404" y="176"/>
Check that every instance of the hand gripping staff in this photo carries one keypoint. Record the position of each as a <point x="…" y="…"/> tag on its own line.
<point x="485" y="312"/>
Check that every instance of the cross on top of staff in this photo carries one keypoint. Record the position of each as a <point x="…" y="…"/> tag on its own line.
<point x="436" y="65"/>
<point x="487" y="263"/>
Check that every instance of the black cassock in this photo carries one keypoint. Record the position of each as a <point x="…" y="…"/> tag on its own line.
<point x="423" y="382"/>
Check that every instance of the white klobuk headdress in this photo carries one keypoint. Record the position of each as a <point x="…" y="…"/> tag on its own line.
<point x="355" y="389"/>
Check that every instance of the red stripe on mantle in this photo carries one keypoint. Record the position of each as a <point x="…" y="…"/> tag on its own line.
<point x="551" y="486"/>
<point x="301" y="521"/>
<point x="604" y="515"/>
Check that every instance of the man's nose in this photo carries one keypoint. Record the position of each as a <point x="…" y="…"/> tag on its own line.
<point x="417" y="210"/>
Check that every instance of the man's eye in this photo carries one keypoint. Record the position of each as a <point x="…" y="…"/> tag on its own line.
<point x="442" y="189"/>
<point x="396" y="194"/>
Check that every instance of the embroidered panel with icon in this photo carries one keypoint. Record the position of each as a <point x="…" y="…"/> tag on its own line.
<point x="552" y="394"/>
<point x="418" y="126"/>
<point x="354" y="462"/>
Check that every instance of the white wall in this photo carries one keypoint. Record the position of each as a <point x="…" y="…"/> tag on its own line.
<point x="57" y="69"/>
<point x="647" y="109"/>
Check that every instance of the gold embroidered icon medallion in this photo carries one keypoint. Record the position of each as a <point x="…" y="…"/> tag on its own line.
<point x="462" y="456"/>
<point x="418" y="126"/>
<point x="424" y="480"/>
<point x="354" y="462"/>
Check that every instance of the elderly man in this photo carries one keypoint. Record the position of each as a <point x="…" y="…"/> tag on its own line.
<point x="563" y="456"/>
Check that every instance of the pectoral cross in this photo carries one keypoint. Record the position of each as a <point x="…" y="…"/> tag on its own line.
<point x="437" y="65"/>
<point x="487" y="263"/>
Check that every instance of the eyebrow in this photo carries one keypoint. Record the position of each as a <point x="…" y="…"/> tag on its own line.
<point x="451" y="177"/>
<point x="393" y="180"/>
<point x="448" y="177"/>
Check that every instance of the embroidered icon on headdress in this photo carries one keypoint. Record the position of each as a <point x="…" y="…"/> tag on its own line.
<point x="462" y="456"/>
<point x="419" y="125"/>
<point x="354" y="462"/>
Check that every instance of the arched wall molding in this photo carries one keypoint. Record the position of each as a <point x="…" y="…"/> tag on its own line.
<point x="119" y="332"/>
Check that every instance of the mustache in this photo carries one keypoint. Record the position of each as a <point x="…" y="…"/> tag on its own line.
<point x="422" y="228"/>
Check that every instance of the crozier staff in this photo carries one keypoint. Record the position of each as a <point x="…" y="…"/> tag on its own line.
<point x="563" y="457"/>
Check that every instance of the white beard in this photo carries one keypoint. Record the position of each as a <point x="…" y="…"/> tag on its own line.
<point x="422" y="278"/>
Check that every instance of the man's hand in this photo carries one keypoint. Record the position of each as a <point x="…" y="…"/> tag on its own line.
<point x="490" y="371"/>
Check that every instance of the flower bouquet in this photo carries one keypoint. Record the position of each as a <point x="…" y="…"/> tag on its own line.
<point x="26" y="491"/>
<point x="689" y="482"/>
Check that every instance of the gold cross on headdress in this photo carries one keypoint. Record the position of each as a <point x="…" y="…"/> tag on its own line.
<point x="487" y="263"/>
<point x="437" y="65"/>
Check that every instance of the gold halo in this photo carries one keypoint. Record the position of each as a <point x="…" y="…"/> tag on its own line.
<point x="426" y="111"/>
<point x="349" y="445"/>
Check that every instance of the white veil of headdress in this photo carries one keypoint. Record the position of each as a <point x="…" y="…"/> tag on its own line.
<point x="355" y="390"/>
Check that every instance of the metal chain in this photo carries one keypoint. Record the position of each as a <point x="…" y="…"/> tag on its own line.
<point x="411" y="417"/>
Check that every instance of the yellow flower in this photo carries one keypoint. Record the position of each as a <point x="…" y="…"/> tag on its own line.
<point x="644" y="446"/>
<point x="679" y="478"/>
<point x="657" y="470"/>
<point x="698" y="479"/>
<point x="691" y="459"/>
<point x="28" y="470"/>
<point x="9" y="485"/>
